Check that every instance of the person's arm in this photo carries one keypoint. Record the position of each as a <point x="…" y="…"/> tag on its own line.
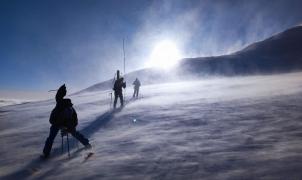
<point x="76" y="118"/>
<point x="114" y="86"/>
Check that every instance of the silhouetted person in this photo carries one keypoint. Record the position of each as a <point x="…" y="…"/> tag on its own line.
<point x="136" y="84"/>
<point x="63" y="116"/>
<point x="119" y="84"/>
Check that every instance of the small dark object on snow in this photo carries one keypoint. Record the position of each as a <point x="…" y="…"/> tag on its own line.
<point x="88" y="156"/>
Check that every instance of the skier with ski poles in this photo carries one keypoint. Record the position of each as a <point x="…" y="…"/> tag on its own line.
<point x="136" y="84"/>
<point x="63" y="116"/>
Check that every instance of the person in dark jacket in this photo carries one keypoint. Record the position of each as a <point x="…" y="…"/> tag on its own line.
<point x="63" y="116"/>
<point x="119" y="84"/>
<point x="136" y="84"/>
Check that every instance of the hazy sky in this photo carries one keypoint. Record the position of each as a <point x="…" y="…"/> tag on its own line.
<point x="79" y="42"/>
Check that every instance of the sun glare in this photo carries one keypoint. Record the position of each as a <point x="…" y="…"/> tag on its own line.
<point x="164" y="55"/>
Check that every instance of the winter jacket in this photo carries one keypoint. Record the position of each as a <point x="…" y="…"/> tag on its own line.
<point x="118" y="85"/>
<point x="64" y="115"/>
<point x="136" y="83"/>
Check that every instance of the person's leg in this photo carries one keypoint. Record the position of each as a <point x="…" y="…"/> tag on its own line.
<point x="121" y="99"/>
<point x="115" y="100"/>
<point x="134" y="92"/>
<point x="79" y="137"/>
<point x="137" y="91"/>
<point x="49" y="141"/>
<point x="135" y="95"/>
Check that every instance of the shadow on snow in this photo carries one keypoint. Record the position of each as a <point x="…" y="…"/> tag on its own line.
<point x="35" y="165"/>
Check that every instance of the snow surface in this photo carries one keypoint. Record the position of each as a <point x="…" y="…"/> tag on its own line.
<point x="224" y="128"/>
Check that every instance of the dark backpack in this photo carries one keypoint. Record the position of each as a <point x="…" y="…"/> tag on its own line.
<point x="119" y="84"/>
<point x="64" y="116"/>
<point x="70" y="117"/>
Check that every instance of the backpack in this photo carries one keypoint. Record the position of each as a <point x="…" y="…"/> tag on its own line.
<point x="66" y="117"/>
<point x="69" y="117"/>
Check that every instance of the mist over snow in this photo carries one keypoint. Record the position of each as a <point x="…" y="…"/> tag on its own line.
<point x="5" y="102"/>
<point x="18" y="97"/>
<point x="220" y="128"/>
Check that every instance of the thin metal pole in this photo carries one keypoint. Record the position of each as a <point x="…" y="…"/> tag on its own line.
<point x="62" y="147"/>
<point x="124" y="56"/>
<point x="110" y="100"/>
<point x="68" y="145"/>
<point x="124" y="98"/>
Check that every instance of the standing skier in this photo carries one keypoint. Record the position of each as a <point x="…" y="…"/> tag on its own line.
<point x="63" y="116"/>
<point x="136" y="84"/>
<point x="119" y="84"/>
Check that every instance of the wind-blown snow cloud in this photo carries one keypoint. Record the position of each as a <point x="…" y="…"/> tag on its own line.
<point x="207" y="28"/>
<point x="17" y="97"/>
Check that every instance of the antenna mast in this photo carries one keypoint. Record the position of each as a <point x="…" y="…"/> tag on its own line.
<point x="124" y="56"/>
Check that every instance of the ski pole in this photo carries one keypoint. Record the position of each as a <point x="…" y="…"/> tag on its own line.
<point x="110" y="99"/>
<point x="68" y="145"/>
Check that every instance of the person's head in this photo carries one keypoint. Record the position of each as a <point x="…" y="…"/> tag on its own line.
<point x="117" y="74"/>
<point x="67" y="103"/>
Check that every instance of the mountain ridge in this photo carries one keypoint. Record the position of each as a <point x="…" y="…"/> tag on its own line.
<point x="279" y="53"/>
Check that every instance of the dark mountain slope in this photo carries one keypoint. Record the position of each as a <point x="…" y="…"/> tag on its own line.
<point x="278" y="54"/>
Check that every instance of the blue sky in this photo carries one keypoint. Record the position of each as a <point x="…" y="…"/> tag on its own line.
<point x="46" y="43"/>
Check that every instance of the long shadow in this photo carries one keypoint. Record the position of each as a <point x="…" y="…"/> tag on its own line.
<point x="99" y="122"/>
<point x="34" y="167"/>
<point x="37" y="163"/>
<point x="29" y="169"/>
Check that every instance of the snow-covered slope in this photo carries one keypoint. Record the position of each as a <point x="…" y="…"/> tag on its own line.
<point x="226" y="128"/>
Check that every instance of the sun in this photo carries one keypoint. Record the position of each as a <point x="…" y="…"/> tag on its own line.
<point x="164" y="55"/>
